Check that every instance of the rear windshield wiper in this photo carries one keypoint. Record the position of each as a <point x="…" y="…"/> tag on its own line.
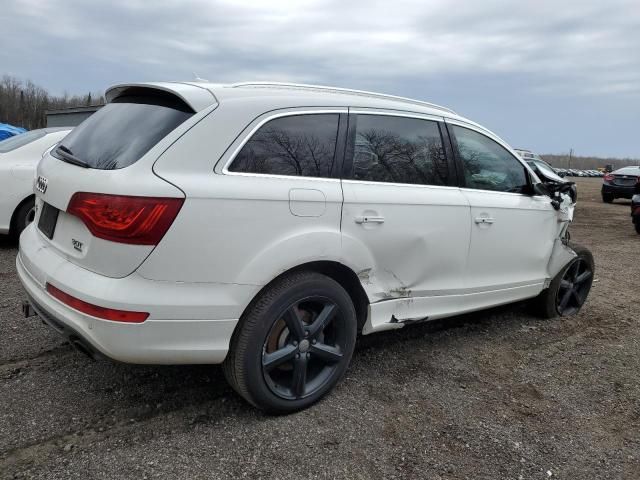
<point x="68" y="156"/>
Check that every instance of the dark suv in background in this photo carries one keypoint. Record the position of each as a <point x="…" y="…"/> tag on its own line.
<point x="635" y="208"/>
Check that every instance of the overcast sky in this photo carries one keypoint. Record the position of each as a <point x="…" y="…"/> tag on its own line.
<point x="544" y="75"/>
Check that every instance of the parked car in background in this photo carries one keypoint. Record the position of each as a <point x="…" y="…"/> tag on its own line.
<point x="620" y="183"/>
<point x="19" y="156"/>
<point x="535" y="161"/>
<point x="635" y="210"/>
<point x="8" y="131"/>
<point x="312" y="214"/>
<point x="541" y="165"/>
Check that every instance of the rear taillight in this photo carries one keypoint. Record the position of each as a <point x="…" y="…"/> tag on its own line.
<point x="96" y="311"/>
<point x="608" y="177"/>
<point x="125" y="219"/>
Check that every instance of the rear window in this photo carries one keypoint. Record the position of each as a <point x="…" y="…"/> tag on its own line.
<point x="121" y="132"/>
<point x="20" y="140"/>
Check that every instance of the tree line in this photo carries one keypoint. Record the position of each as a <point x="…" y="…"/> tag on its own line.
<point x="587" y="163"/>
<point x="23" y="104"/>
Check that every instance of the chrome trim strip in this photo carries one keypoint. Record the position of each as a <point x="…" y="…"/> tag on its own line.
<point x="490" y="192"/>
<point x="466" y="291"/>
<point x="390" y="113"/>
<point x="421" y="185"/>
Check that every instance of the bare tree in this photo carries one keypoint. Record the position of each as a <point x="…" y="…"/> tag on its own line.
<point x="22" y="103"/>
<point x="588" y="163"/>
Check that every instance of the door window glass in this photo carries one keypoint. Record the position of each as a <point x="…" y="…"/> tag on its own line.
<point x="297" y="145"/>
<point x="399" y="150"/>
<point x="487" y="165"/>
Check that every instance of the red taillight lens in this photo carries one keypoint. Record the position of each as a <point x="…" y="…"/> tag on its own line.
<point x="95" y="310"/>
<point x="608" y="177"/>
<point x="125" y="219"/>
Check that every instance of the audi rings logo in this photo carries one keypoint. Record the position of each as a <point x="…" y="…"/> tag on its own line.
<point x="41" y="184"/>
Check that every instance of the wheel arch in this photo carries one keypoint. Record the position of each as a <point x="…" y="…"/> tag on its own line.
<point x="338" y="272"/>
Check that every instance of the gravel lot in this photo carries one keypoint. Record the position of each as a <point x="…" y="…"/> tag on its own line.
<point x="498" y="394"/>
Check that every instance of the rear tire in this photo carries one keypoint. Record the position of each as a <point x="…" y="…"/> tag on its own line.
<point x="637" y="225"/>
<point x="569" y="289"/>
<point x="293" y="343"/>
<point x="607" y="198"/>
<point x="22" y="217"/>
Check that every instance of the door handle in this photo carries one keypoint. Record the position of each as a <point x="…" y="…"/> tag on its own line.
<point x="480" y="220"/>
<point x="369" y="219"/>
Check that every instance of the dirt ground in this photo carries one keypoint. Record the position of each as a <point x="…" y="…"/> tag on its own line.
<point x="498" y="394"/>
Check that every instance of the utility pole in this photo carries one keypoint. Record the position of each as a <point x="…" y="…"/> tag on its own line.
<point x="570" y="155"/>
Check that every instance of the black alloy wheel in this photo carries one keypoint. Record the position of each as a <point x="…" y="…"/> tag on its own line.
<point x="569" y="289"/>
<point x="574" y="287"/>
<point x="293" y="343"/>
<point x="303" y="348"/>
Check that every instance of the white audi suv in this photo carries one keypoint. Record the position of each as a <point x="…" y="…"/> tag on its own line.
<point x="264" y="226"/>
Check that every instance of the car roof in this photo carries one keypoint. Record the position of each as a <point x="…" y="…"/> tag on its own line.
<point x="628" y="170"/>
<point x="202" y="94"/>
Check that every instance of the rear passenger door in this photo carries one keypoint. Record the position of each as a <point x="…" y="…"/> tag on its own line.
<point x="512" y="229"/>
<point x="405" y="224"/>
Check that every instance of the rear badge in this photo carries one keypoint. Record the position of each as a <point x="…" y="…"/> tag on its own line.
<point x="41" y="184"/>
<point x="76" y="244"/>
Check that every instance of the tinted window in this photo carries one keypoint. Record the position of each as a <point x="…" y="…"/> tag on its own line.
<point x="399" y="150"/>
<point x="121" y="132"/>
<point x="487" y="165"/>
<point x="298" y="145"/>
<point x="20" y="140"/>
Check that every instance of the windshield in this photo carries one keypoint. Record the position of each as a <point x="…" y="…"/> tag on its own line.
<point x="120" y="133"/>
<point x="20" y="140"/>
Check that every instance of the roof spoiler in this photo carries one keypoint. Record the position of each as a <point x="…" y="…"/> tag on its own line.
<point x="198" y="98"/>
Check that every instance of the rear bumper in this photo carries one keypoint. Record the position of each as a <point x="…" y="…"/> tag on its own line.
<point x="188" y="323"/>
<point x="618" y="191"/>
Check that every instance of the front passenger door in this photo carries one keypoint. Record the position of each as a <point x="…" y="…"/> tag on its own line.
<point x="512" y="230"/>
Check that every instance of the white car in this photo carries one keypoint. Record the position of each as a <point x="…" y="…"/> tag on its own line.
<point x="19" y="156"/>
<point x="263" y="226"/>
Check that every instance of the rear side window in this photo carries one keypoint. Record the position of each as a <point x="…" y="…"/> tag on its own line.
<point x="20" y="140"/>
<point x="399" y="150"/>
<point x="487" y="165"/>
<point x="121" y="132"/>
<point x="297" y="145"/>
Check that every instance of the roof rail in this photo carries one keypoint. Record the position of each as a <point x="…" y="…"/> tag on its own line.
<point x="342" y="90"/>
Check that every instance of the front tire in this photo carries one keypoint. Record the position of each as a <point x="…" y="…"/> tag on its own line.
<point x="569" y="289"/>
<point x="22" y="217"/>
<point x="293" y="344"/>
